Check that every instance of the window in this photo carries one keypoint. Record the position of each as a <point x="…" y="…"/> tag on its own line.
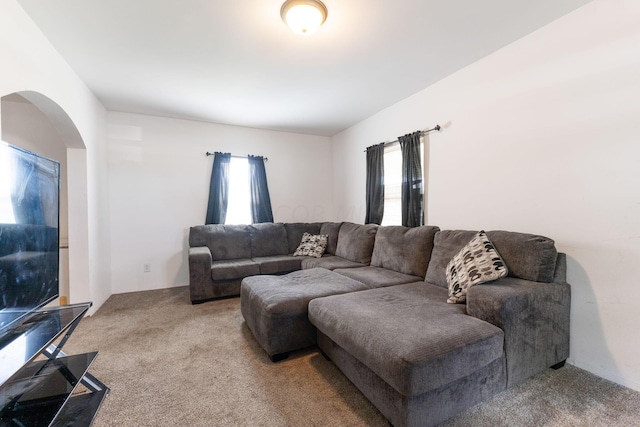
<point x="239" y="205"/>
<point x="393" y="183"/>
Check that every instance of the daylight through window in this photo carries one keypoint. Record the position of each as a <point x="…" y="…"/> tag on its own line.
<point x="239" y="205"/>
<point x="393" y="183"/>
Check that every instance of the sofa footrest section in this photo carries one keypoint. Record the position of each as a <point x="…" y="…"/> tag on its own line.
<point x="275" y="307"/>
<point x="418" y="359"/>
<point x="427" y="409"/>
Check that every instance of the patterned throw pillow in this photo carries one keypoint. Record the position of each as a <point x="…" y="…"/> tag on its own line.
<point x="312" y="245"/>
<point x="477" y="262"/>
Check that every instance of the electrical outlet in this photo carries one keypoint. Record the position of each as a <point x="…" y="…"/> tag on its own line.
<point x="146" y="268"/>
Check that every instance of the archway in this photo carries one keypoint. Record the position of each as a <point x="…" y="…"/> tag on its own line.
<point x="35" y="122"/>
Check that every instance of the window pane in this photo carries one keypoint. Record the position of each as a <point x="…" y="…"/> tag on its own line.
<point x="239" y="207"/>
<point x="393" y="183"/>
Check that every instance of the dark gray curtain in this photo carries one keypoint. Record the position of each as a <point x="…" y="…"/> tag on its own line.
<point x="412" y="204"/>
<point x="260" y="200"/>
<point x="375" y="184"/>
<point x="218" y="189"/>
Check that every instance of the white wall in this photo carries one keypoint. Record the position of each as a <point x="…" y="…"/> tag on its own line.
<point x="159" y="183"/>
<point x="540" y="137"/>
<point x="32" y="67"/>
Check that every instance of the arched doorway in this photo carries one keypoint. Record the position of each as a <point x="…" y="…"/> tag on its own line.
<point x="33" y="121"/>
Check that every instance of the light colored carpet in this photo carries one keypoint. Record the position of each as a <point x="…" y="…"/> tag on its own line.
<point x="170" y="363"/>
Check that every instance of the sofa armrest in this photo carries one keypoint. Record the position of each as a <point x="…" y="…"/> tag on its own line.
<point x="534" y="317"/>
<point x="199" y="272"/>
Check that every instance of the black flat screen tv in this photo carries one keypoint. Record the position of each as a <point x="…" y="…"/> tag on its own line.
<point x="29" y="233"/>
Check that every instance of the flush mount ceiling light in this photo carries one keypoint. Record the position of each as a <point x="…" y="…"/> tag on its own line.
<point x="303" y="16"/>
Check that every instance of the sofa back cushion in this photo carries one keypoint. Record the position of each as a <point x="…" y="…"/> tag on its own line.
<point x="355" y="242"/>
<point x="446" y="245"/>
<point x="268" y="239"/>
<point x="295" y="231"/>
<point x="404" y="249"/>
<point x="536" y="262"/>
<point x="331" y="229"/>
<point x="526" y="256"/>
<point x="224" y="241"/>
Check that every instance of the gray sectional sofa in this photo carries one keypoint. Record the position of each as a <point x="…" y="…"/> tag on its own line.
<point x="375" y="305"/>
<point x="220" y="256"/>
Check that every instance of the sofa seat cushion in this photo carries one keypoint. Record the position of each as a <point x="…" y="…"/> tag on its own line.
<point x="278" y="264"/>
<point x="330" y="262"/>
<point x="408" y="335"/>
<point x="233" y="269"/>
<point x="275" y="307"/>
<point x="376" y="277"/>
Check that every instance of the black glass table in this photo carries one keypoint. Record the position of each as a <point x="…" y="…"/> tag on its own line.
<point x="39" y="382"/>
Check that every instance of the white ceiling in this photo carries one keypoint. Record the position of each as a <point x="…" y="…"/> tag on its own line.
<point x="236" y="62"/>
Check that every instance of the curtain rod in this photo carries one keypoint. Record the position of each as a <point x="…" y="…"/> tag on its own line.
<point x="423" y="132"/>
<point x="237" y="157"/>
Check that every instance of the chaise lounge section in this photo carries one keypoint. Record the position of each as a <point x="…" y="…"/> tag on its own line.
<point x="420" y="360"/>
